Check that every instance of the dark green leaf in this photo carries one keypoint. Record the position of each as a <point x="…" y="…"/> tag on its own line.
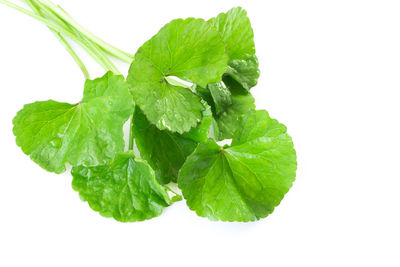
<point x="226" y="116"/>
<point x="226" y="122"/>
<point x="164" y="151"/>
<point x="221" y="95"/>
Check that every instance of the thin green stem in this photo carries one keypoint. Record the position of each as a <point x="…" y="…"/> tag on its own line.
<point x="106" y="61"/>
<point x="64" y="42"/>
<point x="131" y="134"/>
<point x="65" y="32"/>
<point x="96" y="49"/>
<point x="106" y="46"/>
<point x="174" y="82"/>
<point x="172" y="191"/>
<point x="73" y="54"/>
<point x="177" y="196"/>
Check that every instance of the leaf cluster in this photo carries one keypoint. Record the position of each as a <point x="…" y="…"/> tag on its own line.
<point x="188" y="87"/>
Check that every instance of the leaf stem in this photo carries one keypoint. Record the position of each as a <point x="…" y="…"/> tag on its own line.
<point x="177" y="197"/>
<point x="105" y="63"/>
<point x="106" y="46"/>
<point x="174" y="82"/>
<point x="172" y="191"/>
<point x="64" y="42"/>
<point x="131" y="134"/>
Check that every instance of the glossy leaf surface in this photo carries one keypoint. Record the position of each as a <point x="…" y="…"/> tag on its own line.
<point x="243" y="182"/>
<point x="237" y="34"/>
<point x="89" y="133"/>
<point x="189" y="49"/>
<point x="126" y="190"/>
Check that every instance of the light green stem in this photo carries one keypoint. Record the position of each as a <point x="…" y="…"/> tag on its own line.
<point x="107" y="47"/>
<point x="131" y="134"/>
<point x="64" y="42"/>
<point x="174" y="82"/>
<point x="57" y="28"/>
<point x="93" y="46"/>
<point x="175" y="198"/>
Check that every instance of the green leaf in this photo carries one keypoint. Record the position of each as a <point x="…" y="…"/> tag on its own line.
<point x="255" y="125"/>
<point x="201" y="131"/>
<point x="243" y="182"/>
<point x="88" y="133"/>
<point x="189" y="49"/>
<point x="205" y="94"/>
<point x="237" y="34"/>
<point x="164" y="151"/>
<point x="226" y="122"/>
<point x="221" y="95"/>
<point x="230" y="100"/>
<point x="126" y="190"/>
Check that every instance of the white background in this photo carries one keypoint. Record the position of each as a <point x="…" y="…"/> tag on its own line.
<point x="330" y="71"/>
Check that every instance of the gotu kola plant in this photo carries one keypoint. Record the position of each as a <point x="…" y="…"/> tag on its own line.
<point x="188" y="87"/>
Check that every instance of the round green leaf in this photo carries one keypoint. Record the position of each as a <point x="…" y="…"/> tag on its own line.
<point x="243" y="182"/>
<point x="125" y="190"/>
<point x="88" y="133"/>
<point x="190" y="49"/>
<point x="237" y="34"/>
